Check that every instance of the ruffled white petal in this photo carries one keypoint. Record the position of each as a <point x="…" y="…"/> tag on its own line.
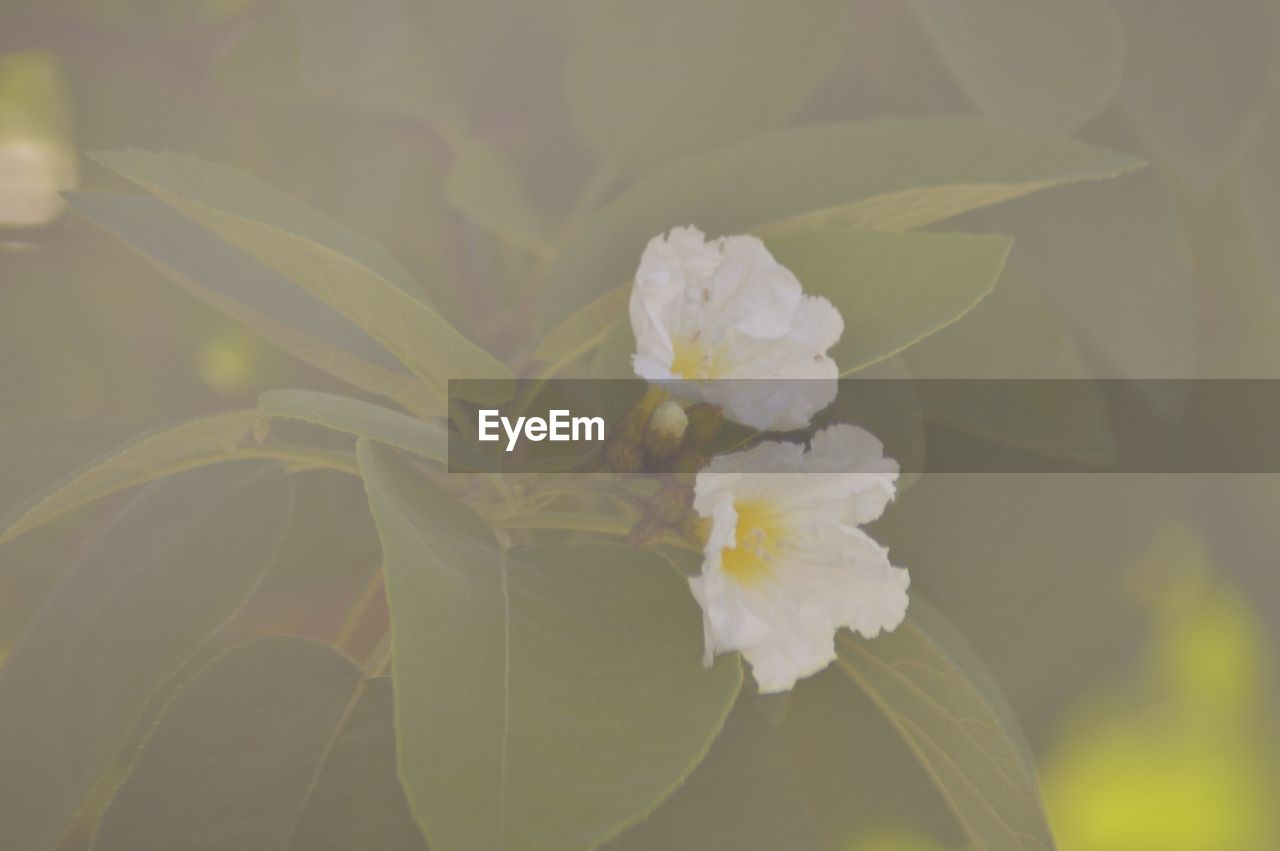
<point x="726" y="309"/>
<point x="818" y="571"/>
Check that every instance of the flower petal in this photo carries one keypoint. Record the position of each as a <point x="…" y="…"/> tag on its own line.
<point x="808" y="570"/>
<point x="726" y="309"/>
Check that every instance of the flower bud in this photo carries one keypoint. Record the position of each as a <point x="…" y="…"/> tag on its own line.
<point x="624" y="456"/>
<point x="672" y="504"/>
<point x="646" y="533"/>
<point x="664" y="433"/>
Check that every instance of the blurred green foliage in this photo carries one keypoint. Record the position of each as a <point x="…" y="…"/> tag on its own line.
<point x="512" y="158"/>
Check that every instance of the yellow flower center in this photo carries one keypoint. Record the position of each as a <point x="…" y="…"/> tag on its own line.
<point x="758" y="533"/>
<point x="695" y="361"/>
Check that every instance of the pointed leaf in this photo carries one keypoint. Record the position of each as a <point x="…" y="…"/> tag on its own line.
<point x="280" y="743"/>
<point x="36" y="453"/>
<point x="1136" y="264"/>
<point x="546" y="697"/>
<point x="173" y="568"/>
<point x="1015" y="333"/>
<point x="253" y="294"/>
<point x="353" y="416"/>
<point x="152" y="455"/>
<point x="745" y="796"/>
<point x="892" y="289"/>
<point x="612" y="357"/>
<point x="821" y="170"/>
<point x="585" y="329"/>
<point x="947" y="708"/>
<point x="358" y="284"/>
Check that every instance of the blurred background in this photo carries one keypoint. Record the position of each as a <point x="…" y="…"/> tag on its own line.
<point x="1132" y="621"/>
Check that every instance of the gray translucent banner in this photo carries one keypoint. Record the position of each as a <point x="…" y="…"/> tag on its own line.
<point x="928" y="426"/>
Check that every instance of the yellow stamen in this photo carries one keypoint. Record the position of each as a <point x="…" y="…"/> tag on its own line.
<point x="758" y="533"/>
<point x="690" y="360"/>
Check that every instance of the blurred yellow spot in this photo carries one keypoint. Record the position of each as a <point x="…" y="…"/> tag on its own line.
<point x="1185" y="758"/>
<point x="37" y="153"/>
<point x="1143" y="782"/>
<point x="226" y="366"/>
<point x="32" y="174"/>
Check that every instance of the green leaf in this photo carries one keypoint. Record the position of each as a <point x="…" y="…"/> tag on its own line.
<point x="253" y="294"/>
<point x="38" y="452"/>
<point x="883" y="399"/>
<point x="353" y="416"/>
<point x="648" y="83"/>
<point x="939" y="696"/>
<point x="612" y="358"/>
<point x="152" y="455"/>
<point x="1222" y="67"/>
<point x="485" y="186"/>
<point x="546" y="697"/>
<point x="916" y="171"/>
<point x="343" y="273"/>
<point x="176" y="565"/>
<point x="1043" y="65"/>
<point x="280" y="743"/>
<point x="1106" y="254"/>
<point x="892" y="289"/>
<point x="1016" y="333"/>
<point x="584" y="330"/>
<point x="240" y="195"/>
<point x="745" y="796"/>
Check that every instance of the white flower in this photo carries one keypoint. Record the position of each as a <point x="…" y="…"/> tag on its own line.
<point x="785" y="565"/>
<point x="726" y="309"/>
